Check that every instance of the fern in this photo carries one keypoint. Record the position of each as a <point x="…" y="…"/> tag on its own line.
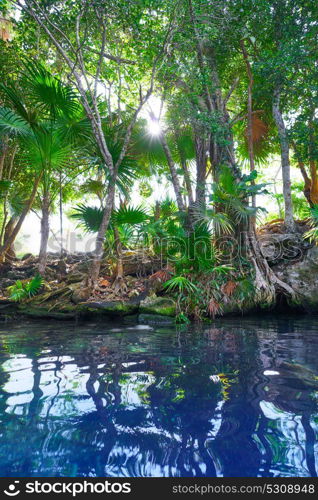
<point x="17" y="291"/>
<point x="33" y="287"/>
<point x="129" y="215"/>
<point x="180" y="284"/>
<point x="89" y="217"/>
<point x="21" y="291"/>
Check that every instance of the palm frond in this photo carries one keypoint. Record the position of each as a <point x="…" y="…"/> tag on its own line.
<point x="48" y="92"/>
<point x="129" y="214"/>
<point x="4" y="187"/>
<point x="13" y="124"/>
<point x="20" y="290"/>
<point x="46" y="150"/>
<point x="33" y="286"/>
<point x="16" y="101"/>
<point x="180" y="284"/>
<point x="90" y="218"/>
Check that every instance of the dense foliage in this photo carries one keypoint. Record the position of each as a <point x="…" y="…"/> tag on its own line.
<point x="102" y="100"/>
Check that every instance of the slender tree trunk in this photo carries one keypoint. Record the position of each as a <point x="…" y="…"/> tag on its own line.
<point x="4" y="222"/>
<point x="61" y="213"/>
<point x="312" y="165"/>
<point x="174" y="175"/>
<point x="157" y="211"/>
<point x="3" y="156"/>
<point x="118" y="250"/>
<point x="201" y="171"/>
<point x="284" y="147"/>
<point x="10" y="253"/>
<point x="314" y="183"/>
<point x="187" y="179"/>
<point x="250" y="121"/>
<point x="119" y="284"/>
<point x="45" y="231"/>
<point x="307" y="182"/>
<point x="8" y="175"/>
<point x="302" y="168"/>
<point x="8" y="243"/>
<point x="99" y="247"/>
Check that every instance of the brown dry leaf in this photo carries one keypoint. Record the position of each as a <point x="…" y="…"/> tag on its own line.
<point x="260" y="128"/>
<point x="229" y="287"/>
<point x="104" y="283"/>
<point x="161" y="276"/>
<point x="213" y="308"/>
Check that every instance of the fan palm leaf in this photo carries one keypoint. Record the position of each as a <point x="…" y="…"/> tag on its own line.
<point x="48" y="93"/>
<point x="91" y="217"/>
<point x="130" y="215"/>
<point x="13" y="124"/>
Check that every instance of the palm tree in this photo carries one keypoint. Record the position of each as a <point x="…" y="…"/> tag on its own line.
<point x="123" y="221"/>
<point x="48" y="120"/>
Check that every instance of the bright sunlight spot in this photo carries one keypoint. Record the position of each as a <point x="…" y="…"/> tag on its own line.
<point x="154" y="127"/>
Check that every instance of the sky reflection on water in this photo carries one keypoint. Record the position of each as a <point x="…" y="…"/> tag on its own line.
<point x="236" y="398"/>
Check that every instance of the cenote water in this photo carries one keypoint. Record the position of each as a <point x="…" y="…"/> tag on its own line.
<point x="235" y="398"/>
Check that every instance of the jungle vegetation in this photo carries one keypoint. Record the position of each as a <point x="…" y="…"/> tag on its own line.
<point x="236" y="83"/>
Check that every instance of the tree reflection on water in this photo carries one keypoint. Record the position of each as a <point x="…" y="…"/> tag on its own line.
<point x="86" y="400"/>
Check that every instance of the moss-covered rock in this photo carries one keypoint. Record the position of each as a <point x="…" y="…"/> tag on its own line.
<point x="302" y="276"/>
<point x="45" y="313"/>
<point x="71" y="311"/>
<point x="158" y="305"/>
<point x="114" y="308"/>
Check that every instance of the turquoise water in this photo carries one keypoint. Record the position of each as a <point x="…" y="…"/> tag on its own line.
<point x="235" y="398"/>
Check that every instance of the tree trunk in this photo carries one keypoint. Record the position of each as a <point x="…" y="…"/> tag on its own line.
<point x="187" y="180"/>
<point x="45" y="230"/>
<point x="307" y="182"/>
<point x="314" y="183"/>
<point x="312" y="165"/>
<point x="302" y="168"/>
<point x="250" y="121"/>
<point x="5" y="200"/>
<point x="201" y="170"/>
<point x="119" y="283"/>
<point x="284" y="147"/>
<point x="4" y="150"/>
<point x="9" y="242"/>
<point x="99" y="247"/>
<point x="174" y="175"/>
<point x="10" y="252"/>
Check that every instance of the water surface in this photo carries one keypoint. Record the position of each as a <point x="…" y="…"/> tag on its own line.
<point x="236" y="398"/>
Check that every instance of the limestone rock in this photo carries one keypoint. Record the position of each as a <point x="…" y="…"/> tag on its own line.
<point x="302" y="276"/>
<point x="158" y="305"/>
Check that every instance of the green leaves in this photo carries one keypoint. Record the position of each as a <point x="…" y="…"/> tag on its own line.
<point x="24" y="290"/>
<point x="180" y="284"/>
<point x="48" y="93"/>
<point x="4" y="187"/>
<point x="91" y="217"/>
<point x="13" y="124"/>
<point x="128" y="214"/>
<point x="234" y="195"/>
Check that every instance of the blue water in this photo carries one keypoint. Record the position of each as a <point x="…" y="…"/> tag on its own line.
<point x="128" y="400"/>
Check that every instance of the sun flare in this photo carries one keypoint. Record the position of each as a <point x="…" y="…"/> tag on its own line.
<point x="154" y="128"/>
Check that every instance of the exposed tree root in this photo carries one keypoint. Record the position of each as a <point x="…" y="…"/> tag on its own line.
<point x="266" y="282"/>
<point x="119" y="286"/>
